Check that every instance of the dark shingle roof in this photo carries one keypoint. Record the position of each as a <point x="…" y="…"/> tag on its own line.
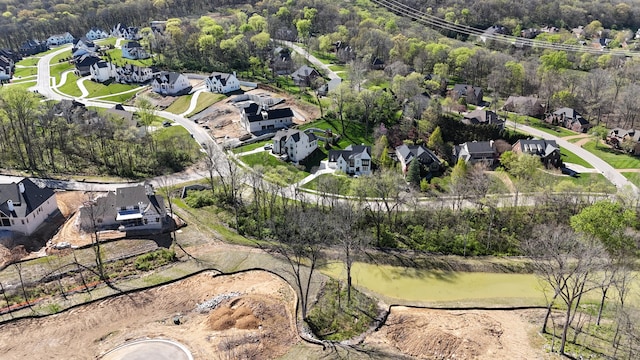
<point x="23" y="203"/>
<point x="222" y="77"/>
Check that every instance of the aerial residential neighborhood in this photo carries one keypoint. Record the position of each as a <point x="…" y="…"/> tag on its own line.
<point x="273" y="180"/>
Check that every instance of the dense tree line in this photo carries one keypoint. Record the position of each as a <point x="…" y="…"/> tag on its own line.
<point x="49" y="138"/>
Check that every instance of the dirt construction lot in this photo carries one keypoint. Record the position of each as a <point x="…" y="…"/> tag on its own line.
<point x="250" y="316"/>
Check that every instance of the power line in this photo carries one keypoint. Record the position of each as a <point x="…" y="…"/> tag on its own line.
<point x="435" y="22"/>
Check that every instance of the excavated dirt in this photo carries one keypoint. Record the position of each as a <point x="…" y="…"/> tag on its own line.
<point x="258" y="324"/>
<point x="475" y="334"/>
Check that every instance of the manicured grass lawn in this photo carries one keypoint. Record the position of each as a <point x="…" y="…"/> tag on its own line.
<point x="550" y="129"/>
<point x="23" y="84"/>
<point x="250" y="147"/>
<point x="276" y="170"/>
<point x="60" y="57"/>
<point x="24" y="72"/>
<point x="107" y="41"/>
<point x="120" y="98"/>
<point x="590" y="182"/>
<point x="116" y="57"/>
<point x="325" y="58"/>
<point x="58" y="69"/>
<point x="96" y="89"/>
<point x="338" y="67"/>
<point x="343" y="183"/>
<point x="429" y="286"/>
<point x="180" y="105"/>
<point x="71" y="86"/>
<point x="354" y="132"/>
<point x="30" y="61"/>
<point x="634" y="177"/>
<point x="612" y="157"/>
<point x="569" y="157"/>
<point x="205" y="100"/>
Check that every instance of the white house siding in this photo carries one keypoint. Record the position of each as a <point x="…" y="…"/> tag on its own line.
<point x="27" y="225"/>
<point x="267" y="124"/>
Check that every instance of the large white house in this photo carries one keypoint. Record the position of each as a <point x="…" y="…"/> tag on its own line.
<point x="222" y="83"/>
<point x="170" y="83"/>
<point x="255" y="118"/>
<point x="132" y="74"/>
<point x="133" y="50"/>
<point x="129" y="208"/>
<point x="60" y="39"/>
<point x="353" y="160"/>
<point x="25" y="206"/>
<point x="102" y="71"/>
<point x="296" y="144"/>
<point x="126" y="32"/>
<point x="95" y="34"/>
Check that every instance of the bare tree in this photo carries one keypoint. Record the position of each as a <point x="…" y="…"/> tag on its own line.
<point x="348" y="220"/>
<point x="567" y="265"/>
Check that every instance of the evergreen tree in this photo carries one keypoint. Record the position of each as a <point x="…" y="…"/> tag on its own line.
<point x="413" y="173"/>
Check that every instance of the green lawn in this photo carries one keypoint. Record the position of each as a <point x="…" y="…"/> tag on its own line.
<point x="354" y="133"/>
<point x="71" y="86"/>
<point x="96" y="89"/>
<point x="427" y="286"/>
<point x="543" y="126"/>
<point x="614" y="158"/>
<point x="250" y="147"/>
<point x="325" y="58"/>
<point x="23" y="84"/>
<point x="496" y="185"/>
<point x="60" y="57"/>
<point x="180" y="105"/>
<point x="58" y="69"/>
<point x="338" y="67"/>
<point x="29" y="61"/>
<point x="590" y="182"/>
<point x="205" y="100"/>
<point x="24" y="72"/>
<point x="115" y="56"/>
<point x="276" y="170"/>
<point x="634" y="177"/>
<point x="178" y="135"/>
<point x="343" y="183"/>
<point x="121" y="98"/>
<point x="107" y="41"/>
<point x="569" y="157"/>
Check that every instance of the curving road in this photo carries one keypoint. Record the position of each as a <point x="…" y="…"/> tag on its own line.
<point x="600" y="165"/>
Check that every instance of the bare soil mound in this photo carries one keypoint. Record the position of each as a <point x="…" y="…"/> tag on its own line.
<point x="440" y="334"/>
<point x="263" y="327"/>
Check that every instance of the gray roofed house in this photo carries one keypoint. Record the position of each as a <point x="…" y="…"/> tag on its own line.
<point x="617" y="136"/>
<point x="304" y="76"/>
<point x="406" y="154"/>
<point x="353" y="160"/>
<point x="170" y="83"/>
<point x="84" y="63"/>
<point x="547" y="150"/>
<point x="524" y="105"/>
<point x="133" y="50"/>
<point x="295" y="144"/>
<point x="483" y="117"/>
<point x="472" y="94"/>
<point x="570" y="119"/>
<point x="24" y="206"/>
<point x="474" y="152"/>
<point x="222" y="83"/>
<point x="127" y="209"/>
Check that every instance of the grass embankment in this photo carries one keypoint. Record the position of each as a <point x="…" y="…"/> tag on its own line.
<point x="634" y="177"/>
<point x="276" y="170"/>
<point x="256" y="145"/>
<point x="613" y="157"/>
<point x="180" y="105"/>
<point x="206" y="99"/>
<point x="569" y="157"/>
<point x="29" y="61"/>
<point x="70" y="87"/>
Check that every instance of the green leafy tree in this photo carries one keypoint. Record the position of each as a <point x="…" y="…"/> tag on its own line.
<point x="599" y="133"/>
<point x="435" y="140"/>
<point x="606" y="221"/>
<point x="555" y="61"/>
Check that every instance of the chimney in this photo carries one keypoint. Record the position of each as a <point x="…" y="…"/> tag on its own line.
<point x="265" y="114"/>
<point x="21" y="188"/>
<point x="148" y="189"/>
<point x="10" y="205"/>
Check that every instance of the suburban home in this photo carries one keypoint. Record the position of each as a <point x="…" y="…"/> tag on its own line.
<point x="32" y="47"/>
<point x="476" y="152"/>
<point x="570" y="119"/>
<point x="377" y="64"/>
<point x="126" y="32"/>
<point x="133" y="74"/>
<point x="406" y="154"/>
<point x="25" y="206"/>
<point x="84" y="63"/>
<point x="5" y="74"/>
<point x="524" y="105"/>
<point x="305" y="76"/>
<point x="295" y="144"/>
<point x="280" y="62"/>
<point x="529" y="33"/>
<point x="95" y="34"/>
<point x="134" y="51"/>
<point x="10" y="54"/>
<point x="126" y="209"/>
<point x="353" y="160"/>
<point x="472" y="94"/>
<point x="255" y="118"/>
<point x="7" y="67"/>
<point x="102" y="71"/>
<point x="60" y="39"/>
<point x="617" y="136"/>
<point x="547" y="150"/>
<point x="483" y="117"/>
<point x="83" y="44"/>
<point x="170" y="83"/>
<point x="222" y="83"/>
<point x="493" y="30"/>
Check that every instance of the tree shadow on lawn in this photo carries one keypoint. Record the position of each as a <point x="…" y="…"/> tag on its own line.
<point x="408" y="265"/>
